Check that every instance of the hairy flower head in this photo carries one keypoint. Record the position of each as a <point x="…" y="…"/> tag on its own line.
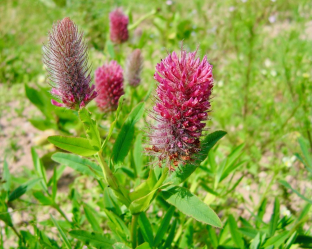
<point x="134" y="67"/>
<point x="66" y="59"/>
<point x="109" y="85"/>
<point x="182" y="103"/>
<point x="118" y="26"/>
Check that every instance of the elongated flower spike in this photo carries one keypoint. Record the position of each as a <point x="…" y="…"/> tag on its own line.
<point x="134" y="67"/>
<point x="182" y="102"/>
<point x="118" y="25"/>
<point x="109" y="85"/>
<point x="66" y="60"/>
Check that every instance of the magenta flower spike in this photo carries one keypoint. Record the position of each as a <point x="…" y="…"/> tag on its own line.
<point x="66" y="59"/>
<point x="134" y="67"/>
<point x="118" y="24"/>
<point x="182" y="103"/>
<point x="109" y="86"/>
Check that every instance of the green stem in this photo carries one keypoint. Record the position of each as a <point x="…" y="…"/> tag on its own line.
<point x="134" y="230"/>
<point x="111" y="181"/>
<point x="16" y="232"/>
<point x="61" y="212"/>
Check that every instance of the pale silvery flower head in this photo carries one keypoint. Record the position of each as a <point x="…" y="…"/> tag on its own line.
<point x="134" y="66"/>
<point x="66" y="60"/>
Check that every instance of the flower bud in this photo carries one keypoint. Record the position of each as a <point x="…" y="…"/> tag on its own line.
<point x="134" y="67"/>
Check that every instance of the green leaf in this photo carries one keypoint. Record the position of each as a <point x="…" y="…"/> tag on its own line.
<point x="171" y="235"/>
<point x="144" y="246"/>
<point x="145" y="187"/>
<point x="43" y="124"/>
<point x="186" y="240"/>
<point x="213" y="236"/>
<point x="274" y="217"/>
<point x="137" y="154"/>
<point x="54" y="186"/>
<point x="287" y="185"/>
<point x="146" y="229"/>
<point x="209" y="141"/>
<point x="125" y="136"/>
<point x="110" y="49"/>
<point x="113" y="124"/>
<point x="236" y="236"/>
<point x="4" y="214"/>
<point x="77" y="145"/>
<point x="255" y="244"/>
<point x="248" y="231"/>
<point x="92" y="238"/>
<point x="191" y="205"/>
<point x="145" y="192"/>
<point x="39" y="169"/>
<point x="82" y="165"/>
<point x="40" y="100"/>
<point x="6" y="176"/>
<point x="261" y="212"/>
<point x="110" y="201"/>
<point x="291" y="240"/>
<point x="305" y="151"/>
<point x="61" y="232"/>
<point x="164" y="225"/>
<point x="120" y="245"/>
<point x="44" y="200"/>
<point x="277" y="240"/>
<point x="22" y="189"/>
<point x="92" y="219"/>
<point x="119" y="225"/>
<point x="91" y="128"/>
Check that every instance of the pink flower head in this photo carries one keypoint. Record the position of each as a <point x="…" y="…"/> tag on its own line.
<point x="66" y="59"/>
<point x="118" y="26"/>
<point x="134" y="67"/>
<point x="109" y="85"/>
<point x="182" y="103"/>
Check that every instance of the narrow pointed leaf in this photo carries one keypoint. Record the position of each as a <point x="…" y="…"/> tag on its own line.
<point x="22" y="189"/>
<point x="64" y="237"/>
<point x="82" y="165"/>
<point x="77" y="145"/>
<point x="191" y="205"/>
<point x="91" y="128"/>
<point x="125" y="136"/>
<point x="146" y="229"/>
<point x="92" y="238"/>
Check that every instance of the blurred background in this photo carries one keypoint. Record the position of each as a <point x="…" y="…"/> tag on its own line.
<point x="260" y="51"/>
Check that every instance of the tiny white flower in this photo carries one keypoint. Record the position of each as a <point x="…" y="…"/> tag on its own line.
<point x="220" y="83"/>
<point x="232" y="8"/>
<point x="273" y="73"/>
<point x="286" y="212"/>
<point x="272" y="19"/>
<point x="267" y="62"/>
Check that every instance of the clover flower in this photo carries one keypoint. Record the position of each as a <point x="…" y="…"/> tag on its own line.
<point x="109" y="85"/>
<point x="66" y="60"/>
<point x="118" y="26"/>
<point x="182" y="103"/>
<point x="134" y="67"/>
